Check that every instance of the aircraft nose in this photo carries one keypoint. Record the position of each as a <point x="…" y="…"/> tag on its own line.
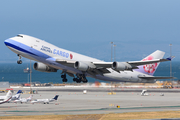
<point x="6" y="42"/>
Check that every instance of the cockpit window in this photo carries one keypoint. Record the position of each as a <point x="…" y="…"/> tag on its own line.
<point x="19" y="36"/>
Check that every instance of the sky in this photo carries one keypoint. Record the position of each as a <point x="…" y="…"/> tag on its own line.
<point x="137" y="28"/>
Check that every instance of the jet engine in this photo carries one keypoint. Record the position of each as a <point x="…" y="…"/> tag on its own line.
<point x="121" y="66"/>
<point x="43" y="68"/>
<point x="81" y="66"/>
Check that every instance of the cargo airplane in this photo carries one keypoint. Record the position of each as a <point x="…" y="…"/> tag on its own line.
<point x="51" y="58"/>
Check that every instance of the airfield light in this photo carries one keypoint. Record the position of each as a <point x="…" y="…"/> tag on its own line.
<point x="170" y="61"/>
<point x="30" y="78"/>
<point x="111" y="50"/>
<point x="114" y="52"/>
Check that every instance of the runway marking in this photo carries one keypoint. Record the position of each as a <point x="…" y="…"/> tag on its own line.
<point x="10" y="114"/>
<point x="50" y="113"/>
<point x="102" y="109"/>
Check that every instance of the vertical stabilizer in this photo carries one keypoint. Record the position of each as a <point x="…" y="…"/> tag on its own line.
<point x="8" y="96"/>
<point x="56" y="97"/>
<point x="19" y="91"/>
<point x="17" y="96"/>
<point x="29" y="98"/>
<point x="151" y="68"/>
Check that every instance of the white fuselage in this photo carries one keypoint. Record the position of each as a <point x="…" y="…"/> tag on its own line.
<point x="6" y="98"/>
<point x="44" y="52"/>
<point x="23" y="100"/>
<point x="42" y="101"/>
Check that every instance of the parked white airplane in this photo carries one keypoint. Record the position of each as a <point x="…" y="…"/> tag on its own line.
<point x="45" y="101"/>
<point x="6" y="98"/>
<point x="51" y="58"/>
<point x="24" y="100"/>
<point x="16" y="96"/>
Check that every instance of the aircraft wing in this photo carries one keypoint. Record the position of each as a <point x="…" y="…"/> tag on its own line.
<point x="98" y="65"/>
<point x="66" y="62"/>
<point x="150" y="78"/>
<point x="101" y="67"/>
<point x="138" y="63"/>
<point x="103" y="64"/>
<point x="132" y="63"/>
<point x="95" y="67"/>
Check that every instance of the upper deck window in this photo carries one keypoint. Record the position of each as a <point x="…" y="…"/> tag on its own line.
<point x="19" y="36"/>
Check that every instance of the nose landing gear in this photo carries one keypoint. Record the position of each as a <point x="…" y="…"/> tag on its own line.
<point x="19" y="61"/>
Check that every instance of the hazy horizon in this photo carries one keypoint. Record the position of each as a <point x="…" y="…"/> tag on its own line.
<point x="138" y="28"/>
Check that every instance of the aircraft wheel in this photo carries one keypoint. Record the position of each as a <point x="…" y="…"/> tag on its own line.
<point x="78" y="81"/>
<point x="63" y="76"/>
<point x="64" y="80"/>
<point x="74" y="79"/>
<point x="19" y="62"/>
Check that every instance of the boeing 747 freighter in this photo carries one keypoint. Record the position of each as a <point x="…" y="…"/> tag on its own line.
<point x="51" y="58"/>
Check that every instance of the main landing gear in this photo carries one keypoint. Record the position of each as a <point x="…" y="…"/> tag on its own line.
<point x="80" y="78"/>
<point x="19" y="61"/>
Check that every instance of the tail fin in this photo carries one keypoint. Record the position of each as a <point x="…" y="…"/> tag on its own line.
<point x="17" y="96"/>
<point x="56" y="97"/>
<point x="19" y="91"/>
<point x="8" y="96"/>
<point x="151" y="68"/>
<point x="29" y="98"/>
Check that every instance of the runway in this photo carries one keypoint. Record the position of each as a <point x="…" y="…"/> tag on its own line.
<point x="97" y="101"/>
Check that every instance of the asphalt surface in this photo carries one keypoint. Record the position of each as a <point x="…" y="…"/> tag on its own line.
<point x="96" y="101"/>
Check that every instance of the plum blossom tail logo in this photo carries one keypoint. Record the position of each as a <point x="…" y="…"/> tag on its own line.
<point x="150" y="68"/>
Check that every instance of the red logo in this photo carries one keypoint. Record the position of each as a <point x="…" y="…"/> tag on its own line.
<point x="71" y="56"/>
<point x="150" y="68"/>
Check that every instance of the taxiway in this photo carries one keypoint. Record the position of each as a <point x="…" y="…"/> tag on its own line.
<point x="97" y="101"/>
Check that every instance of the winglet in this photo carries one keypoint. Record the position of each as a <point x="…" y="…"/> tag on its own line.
<point x="170" y="58"/>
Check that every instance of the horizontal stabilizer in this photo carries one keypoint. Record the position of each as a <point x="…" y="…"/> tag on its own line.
<point x="170" y="58"/>
<point x="151" y="78"/>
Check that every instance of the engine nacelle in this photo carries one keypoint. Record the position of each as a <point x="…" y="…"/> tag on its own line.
<point x="43" y="68"/>
<point x="121" y="66"/>
<point x="81" y="66"/>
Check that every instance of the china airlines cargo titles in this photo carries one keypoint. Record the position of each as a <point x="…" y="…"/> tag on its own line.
<point x="46" y="49"/>
<point x="56" y="52"/>
<point x="60" y="53"/>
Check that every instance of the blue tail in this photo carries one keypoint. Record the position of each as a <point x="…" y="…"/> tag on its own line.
<point x="19" y="91"/>
<point x="56" y="97"/>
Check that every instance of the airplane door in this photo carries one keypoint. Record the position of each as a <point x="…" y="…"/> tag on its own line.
<point x="31" y="46"/>
<point x="34" y="45"/>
